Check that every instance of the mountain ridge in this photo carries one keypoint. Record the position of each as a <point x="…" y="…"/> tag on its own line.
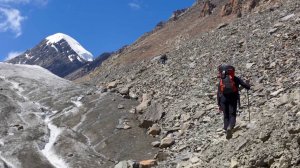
<point x="59" y="53"/>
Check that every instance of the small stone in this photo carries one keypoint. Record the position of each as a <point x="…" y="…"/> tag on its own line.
<point x="155" y="144"/>
<point x="122" y="164"/>
<point x="123" y="124"/>
<point x="234" y="164"/>
<point x="277" y="92"/>
<point x="242" y="144"/>
<point x="133" y="164"/>
<point x="273" y="30"/>
<point x="294" y="129"/>
<point x="278" y="25"/>
<point x="284" y="162"/>
<point x="112" y="85"/>
<point x="194" y="159"/>
<point x="206" y="119"/>
<point x="144" y="104"/>
<point x="148" y="163"/>
<point x="199" y="114"/>
<point x="120" y="106"/>
<point x="133" y="95"/>
<point x="154" y="130"/>
<point x="132" y="111"/>
<point x="264" y="136"/>
<point x="185" y="126"/>
<point x="161" y="156"/>
<point x="211" y="106"/>
<point x="167" y="142"/>
<point x="284" y="99"/>
<point x="185" y="117"/>
<point x="126" y="127"/>
<point x="222" y="25"/>
<point x="125" y="90"/>
<point x="273" y="65"/>
<point x="287" y="17"/>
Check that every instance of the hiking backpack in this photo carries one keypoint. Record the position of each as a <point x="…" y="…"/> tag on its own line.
<point x="227" y="84"/>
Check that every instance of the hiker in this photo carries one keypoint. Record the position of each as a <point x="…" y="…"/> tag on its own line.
<point x="228" y="96"/>
<point x="163" y="59"/>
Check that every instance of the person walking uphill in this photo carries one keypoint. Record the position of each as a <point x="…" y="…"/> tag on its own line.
<point x="228" y="95"/>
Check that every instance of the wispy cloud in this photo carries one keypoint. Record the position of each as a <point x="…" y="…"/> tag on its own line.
<point x="36" y="2"/>
<point x="134" y="5"/>
<point x="10" y="19"/>
<point x="13" y="54"/>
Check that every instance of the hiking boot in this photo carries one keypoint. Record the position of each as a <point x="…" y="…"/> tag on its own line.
<point x="229" y="133"/>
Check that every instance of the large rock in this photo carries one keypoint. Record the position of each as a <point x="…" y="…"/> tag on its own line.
<point x="146" y="100"/>
<point x="207" y="8"/>
<point x="152" y="115"/>
<point x="148" y="163"/>
<point x="167" y="142"/>
<point x="112" y="85"/>
<point x="125" y="90"/>
<point x="154" y="130"/>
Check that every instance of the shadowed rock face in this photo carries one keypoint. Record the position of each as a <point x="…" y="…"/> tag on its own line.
<point x="47" y="121"/>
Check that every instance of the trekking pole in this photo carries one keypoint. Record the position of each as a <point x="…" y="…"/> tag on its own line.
<point x="248" y="105"/>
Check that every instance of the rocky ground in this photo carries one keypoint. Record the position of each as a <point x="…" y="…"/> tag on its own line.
<point x="264" y="47"/>
<point x="47" y="121"/>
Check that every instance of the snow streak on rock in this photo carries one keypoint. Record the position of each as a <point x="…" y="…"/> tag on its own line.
<point x="49" y="152"/>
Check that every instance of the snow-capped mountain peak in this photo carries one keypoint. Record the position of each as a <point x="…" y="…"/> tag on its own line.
<point x="82" y="52"/>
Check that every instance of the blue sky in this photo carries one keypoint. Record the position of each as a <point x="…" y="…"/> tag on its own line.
<point x="99" y="25"/>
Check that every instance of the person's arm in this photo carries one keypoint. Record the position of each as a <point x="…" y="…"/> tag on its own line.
<point x="242" y="83"/>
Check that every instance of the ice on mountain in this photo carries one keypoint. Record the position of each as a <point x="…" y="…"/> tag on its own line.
<point x="83" y="53"/>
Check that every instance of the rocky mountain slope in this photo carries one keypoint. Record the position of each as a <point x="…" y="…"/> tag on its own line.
<point x="86" y="69"/>
<point x="184" y="25"/>
<point x="47" y="121"/>
<point x="263" y="46"/>
<point x="59" y="53"/>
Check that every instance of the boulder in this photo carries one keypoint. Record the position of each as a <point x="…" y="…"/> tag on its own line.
<point x="194" y="159"/>
<point x="155" y="144"/>
<point x="234" y="164"/>
<point x="122" y="164"/>
<point x="123" y="124"/>
<point x="207" y="8"/>
<point x="167" y="142"/>
<point x="154" y="130"/>
<point x="146" y="100"/>
<point x="112" y="85"/>
<point x="148" y="163"/>
<point x="120" y="106"/>
<point x="152" y="115"/>
<point x="125" y="90"/>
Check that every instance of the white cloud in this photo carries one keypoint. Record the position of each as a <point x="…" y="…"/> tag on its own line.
<point x="14" y="1"/>
<point x="11" y="20"/>
<point x="13" y="54"/>
<point x="37" y="2"/>
<point x="134" y="5"/>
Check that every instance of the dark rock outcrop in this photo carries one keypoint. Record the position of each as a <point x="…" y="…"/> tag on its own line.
<point x="207" y="8"/>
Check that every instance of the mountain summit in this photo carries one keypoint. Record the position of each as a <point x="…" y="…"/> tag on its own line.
<point x="82" y="52"/>
<point x="59" y="53"/>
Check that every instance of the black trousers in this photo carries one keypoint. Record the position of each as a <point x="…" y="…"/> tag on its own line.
<point x="229" y="107"/>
